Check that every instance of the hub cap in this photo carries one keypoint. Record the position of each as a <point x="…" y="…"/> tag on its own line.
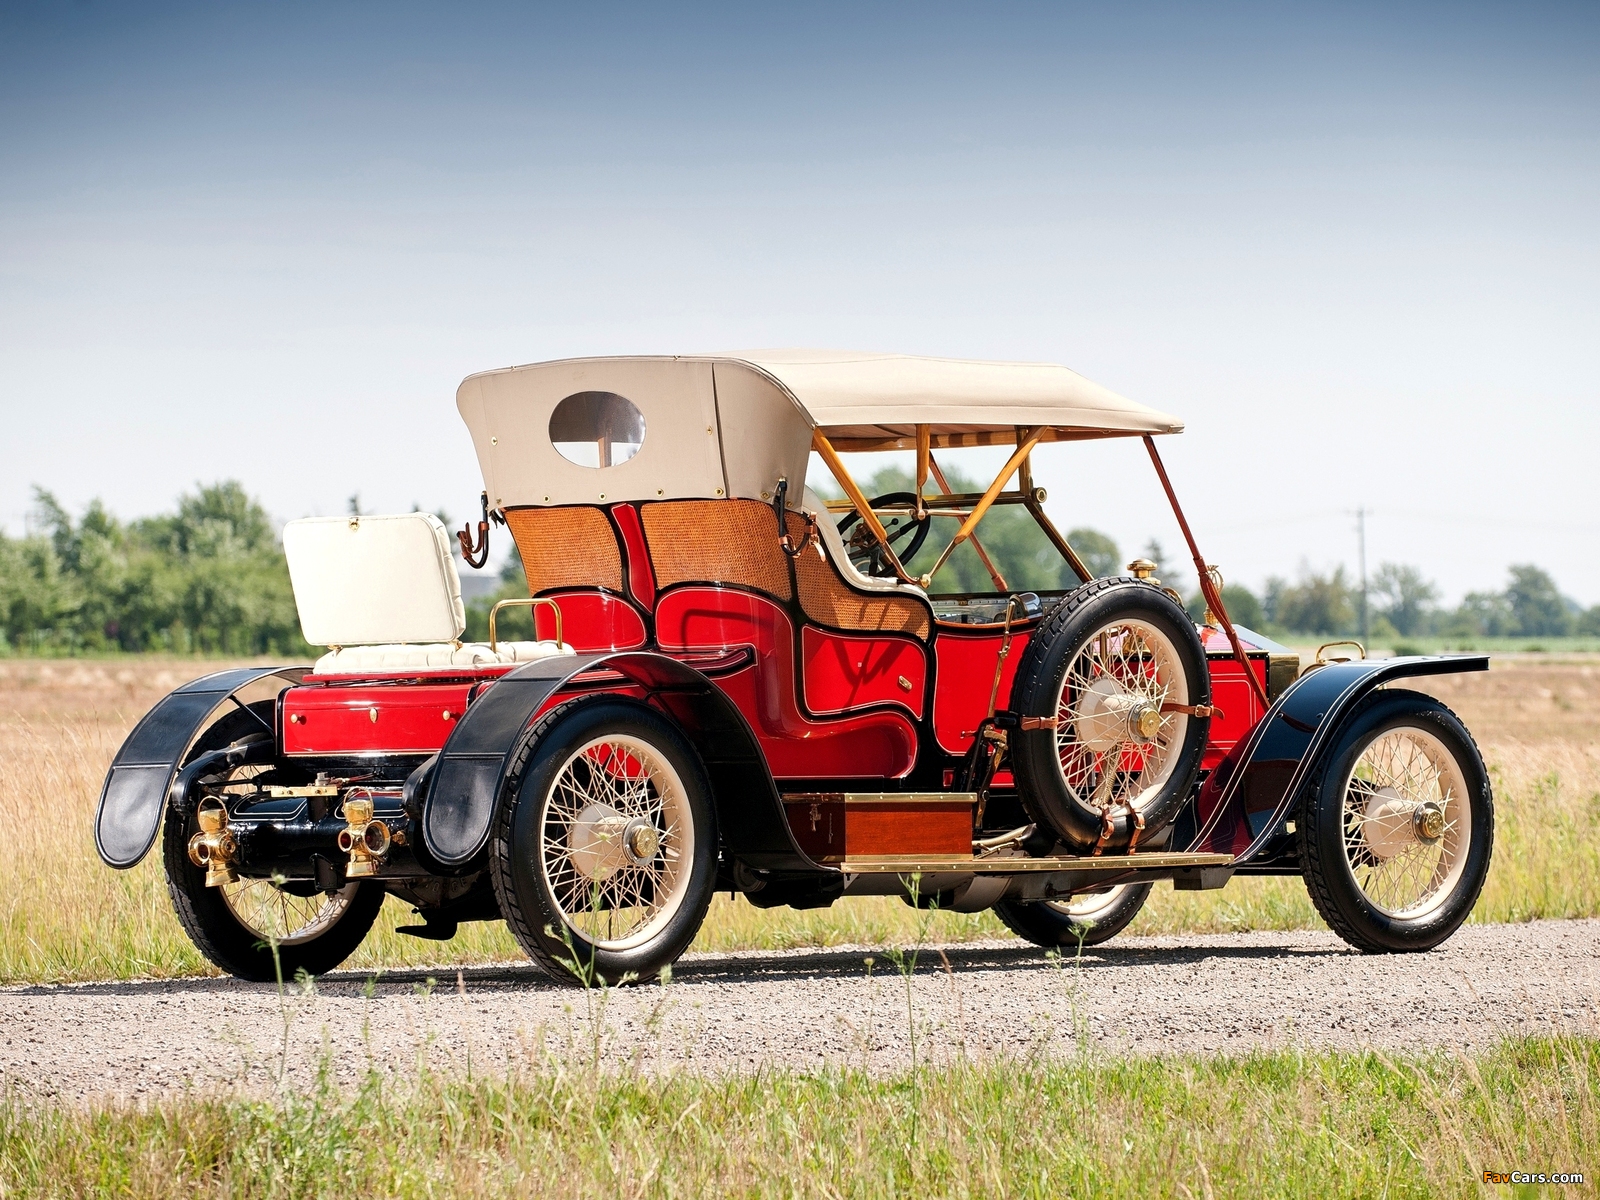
<point x="616" y="842"/>
<point x="1407" y="823"/>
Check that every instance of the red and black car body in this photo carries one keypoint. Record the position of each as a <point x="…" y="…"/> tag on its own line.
<point x="853" y="730"/>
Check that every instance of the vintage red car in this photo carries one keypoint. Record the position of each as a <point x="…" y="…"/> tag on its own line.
<point x="740" y="687"/>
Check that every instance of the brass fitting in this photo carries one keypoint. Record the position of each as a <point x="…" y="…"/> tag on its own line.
<point x="214" y="847"/>
<point x="363" y="838"/>
<point x="1143" y="568"/>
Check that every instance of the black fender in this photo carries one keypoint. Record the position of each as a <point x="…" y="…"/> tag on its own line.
<point x="145" y="770"/>
<point x="1249" y="796"/>
<point x="464" y="786"/>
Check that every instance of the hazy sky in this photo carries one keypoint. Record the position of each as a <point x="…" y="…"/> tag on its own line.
<point x="1356" y="248"/>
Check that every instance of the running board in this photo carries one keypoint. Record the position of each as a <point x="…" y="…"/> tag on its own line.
<point x="965" y="864"/>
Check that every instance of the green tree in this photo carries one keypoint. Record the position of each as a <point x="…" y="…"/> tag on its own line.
<point x="1099" y="552"/>
<point x="1241" y="603"/>
<point x="1405" y="597"/>
<point x="1537" y="606"/>
<point x="1317" y="604"/>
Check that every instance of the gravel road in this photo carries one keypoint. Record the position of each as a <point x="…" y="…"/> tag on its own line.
<point x="806" y="1008"/>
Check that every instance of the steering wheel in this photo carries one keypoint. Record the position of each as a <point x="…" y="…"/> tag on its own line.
<point x="906" y="535"/>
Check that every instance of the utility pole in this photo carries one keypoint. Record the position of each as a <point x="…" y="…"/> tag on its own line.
<point x="1361" y="539"/>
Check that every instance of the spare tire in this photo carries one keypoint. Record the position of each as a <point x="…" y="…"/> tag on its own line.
<point x="1119" y="667"/>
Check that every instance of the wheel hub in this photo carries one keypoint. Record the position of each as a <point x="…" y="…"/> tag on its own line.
<point x="641" y="841"/>
<point x="1111" y="716"/>
<point x="595" y="841"/>
<point x="1428" y="820"/>
<point x="1391" y="823"/>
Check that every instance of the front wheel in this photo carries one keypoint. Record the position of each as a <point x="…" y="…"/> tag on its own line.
<point x="1396" y="835"/>
<point x="1090" y="918"/>
<point x="604" y="855"/>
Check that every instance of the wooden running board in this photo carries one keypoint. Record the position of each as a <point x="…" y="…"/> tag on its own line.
<point x="965" y="864"/>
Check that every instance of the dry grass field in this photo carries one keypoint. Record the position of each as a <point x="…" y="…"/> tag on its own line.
<point x="63" y="916"/>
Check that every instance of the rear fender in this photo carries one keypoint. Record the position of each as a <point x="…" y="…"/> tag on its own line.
<point x="146" y="768"/>
<point x="472" y="771"/>
<point x="1247" y="799"/>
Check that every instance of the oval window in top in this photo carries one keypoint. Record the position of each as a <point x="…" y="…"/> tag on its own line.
<point x="597" y="429"/>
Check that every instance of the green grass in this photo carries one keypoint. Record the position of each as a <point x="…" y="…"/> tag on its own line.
<point x="1266" y="1124"/>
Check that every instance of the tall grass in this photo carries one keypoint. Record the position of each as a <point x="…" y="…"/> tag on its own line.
<point x="64" y="916"/>
<point x="1267" y="1124"/>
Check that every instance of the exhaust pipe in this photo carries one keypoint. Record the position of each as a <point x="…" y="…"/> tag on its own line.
<point x="215" y="848"/>
<point x="363" y="838"/>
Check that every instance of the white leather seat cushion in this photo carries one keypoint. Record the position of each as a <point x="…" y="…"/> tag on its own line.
<point x="360" y="660"/>
<point x="828" y="528"/>
<point x="371" y="580"/>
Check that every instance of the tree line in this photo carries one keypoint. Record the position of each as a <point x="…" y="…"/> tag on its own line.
<point x="211" y="578"/>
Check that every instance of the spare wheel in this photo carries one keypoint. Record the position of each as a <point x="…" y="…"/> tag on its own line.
<point x="1119" y="667"/>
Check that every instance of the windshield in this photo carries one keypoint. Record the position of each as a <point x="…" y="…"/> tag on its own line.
<point x="1013" y="548"/>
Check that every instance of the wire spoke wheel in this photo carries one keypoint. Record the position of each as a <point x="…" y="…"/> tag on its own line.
<point x="254" y="927"/>
<point x="1086" y="919"/>
<point x="1115" y="744"/>
<point x="1117" y="671"/>
<point x="616" y="842"/>
<point x="1406" y="824"/>
<point x="1396" y="836"/>
<point x="274" y="913"/>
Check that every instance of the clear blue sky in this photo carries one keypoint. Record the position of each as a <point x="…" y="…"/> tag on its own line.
<point x="1355" y="247"/>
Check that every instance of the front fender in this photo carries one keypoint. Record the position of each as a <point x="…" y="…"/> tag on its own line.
<point x="142" y="773"/>
<point x="472" y="771"/>
<point x="1249" y="796"/>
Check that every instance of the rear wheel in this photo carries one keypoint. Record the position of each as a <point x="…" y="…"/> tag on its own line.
<point x="605" y="850"/>
<point x="236" y="924"/>
<point x="1397" y="833"/>
<point x="1092" y="917"/>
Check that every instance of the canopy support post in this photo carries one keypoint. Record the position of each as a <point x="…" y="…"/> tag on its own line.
<point x="924" y="457"/>
<point x="830" y="456"/>
<point x="1208" y="586"/>
<point x="998" y="579"/>
<point x="1024" y="448"/>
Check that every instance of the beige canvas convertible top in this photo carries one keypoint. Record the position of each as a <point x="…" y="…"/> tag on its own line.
<point x="730" y="425"/>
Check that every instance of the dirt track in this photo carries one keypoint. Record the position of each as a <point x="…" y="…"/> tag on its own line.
<point x="807" y="1008"/>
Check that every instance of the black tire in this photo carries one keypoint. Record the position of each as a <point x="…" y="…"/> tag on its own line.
<point x="1331" y="855"/>
<point x="204" y="911"/>
<point x="1052" y="923"/>
<point x="1035" y="756"/>
<point x="537" y="892"/>
<point x="218" y="934"/>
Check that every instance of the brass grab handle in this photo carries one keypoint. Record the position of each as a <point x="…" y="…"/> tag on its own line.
<point x="519" y="603"/>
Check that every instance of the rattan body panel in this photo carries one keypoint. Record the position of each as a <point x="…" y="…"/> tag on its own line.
<point x="716" y="541"/>
<point x="566" y="547"/>
<point x="829" y="600"/>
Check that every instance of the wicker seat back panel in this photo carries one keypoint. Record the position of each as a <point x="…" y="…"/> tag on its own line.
<point x="829" y="600"/>
<point x="716" y="541"/>
<point x="566" y="547"/>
